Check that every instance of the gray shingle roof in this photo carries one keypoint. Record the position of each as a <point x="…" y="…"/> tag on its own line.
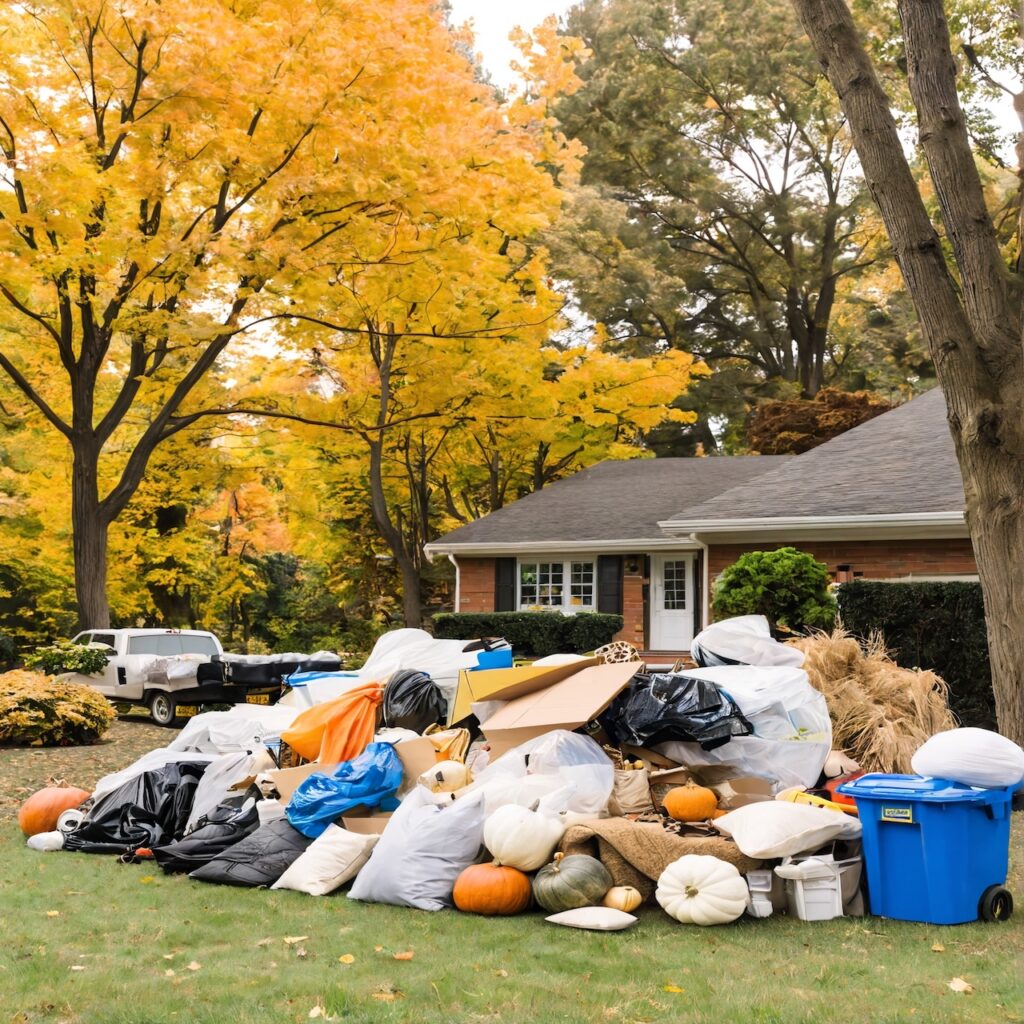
<point x="901" y="462"/>
<point x="614" y="500"/>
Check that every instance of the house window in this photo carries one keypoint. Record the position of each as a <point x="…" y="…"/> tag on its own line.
<point x="675" y="585"/>
<point x="565" y="586"/>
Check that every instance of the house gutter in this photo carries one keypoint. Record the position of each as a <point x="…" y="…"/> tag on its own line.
<point x="630" y="546"/>
<point x="903" y="525"/>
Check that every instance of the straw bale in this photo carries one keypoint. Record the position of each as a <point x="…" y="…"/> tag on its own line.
<point x="881" y="713"/>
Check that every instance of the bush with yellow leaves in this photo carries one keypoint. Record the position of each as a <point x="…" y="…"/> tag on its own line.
<point x="50" y="711"/>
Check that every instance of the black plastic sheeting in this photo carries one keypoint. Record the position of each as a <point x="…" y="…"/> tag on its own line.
<point x="413" y="701"/>
<point x="148" y="810"/>
<point x="674" y="706"/>
<point x="258" y="859"/>
<point x="214" y="833"/>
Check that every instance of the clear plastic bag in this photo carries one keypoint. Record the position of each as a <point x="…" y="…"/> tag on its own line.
<point x="567" y="771"/>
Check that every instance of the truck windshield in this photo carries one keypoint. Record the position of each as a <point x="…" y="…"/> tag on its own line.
<point x="169" y="644"/>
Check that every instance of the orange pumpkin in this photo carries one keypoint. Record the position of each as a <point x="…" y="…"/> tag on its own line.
<point x="718" y="813"/>
<point x="492" y="889"/>
<point x="690" y="803"/>
<point x="39" y="813"/>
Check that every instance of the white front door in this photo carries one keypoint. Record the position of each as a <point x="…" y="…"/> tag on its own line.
<point x="672" y="594"/>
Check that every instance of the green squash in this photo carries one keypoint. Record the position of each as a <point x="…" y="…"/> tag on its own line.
<point x="571" y="882"/>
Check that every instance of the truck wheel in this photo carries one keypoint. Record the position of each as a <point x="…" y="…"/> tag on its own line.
<point x="162" y="707"/>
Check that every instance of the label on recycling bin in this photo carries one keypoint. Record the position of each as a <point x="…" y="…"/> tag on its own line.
<point x="904" y="815"/>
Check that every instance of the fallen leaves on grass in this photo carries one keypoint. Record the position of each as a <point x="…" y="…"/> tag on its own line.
<point x="501" y="972"/>
<point x="387" y="994"/>
<point x="672" y="988"/>
<point x="291" y="940"/>
<point x="961" y="986"/>
<point x="264" y="942"/>
<point x="321" y="1012"/>
<point x="938" y="948"/>
<point x="300" y="952"/>
<point x="53" y="913"/>
<point x="346" y="958"/>
<point x="78" y="967"/>
<point x="169" y="973"/>
<point x="406" y="955"/>
<point x="194" y="966"/>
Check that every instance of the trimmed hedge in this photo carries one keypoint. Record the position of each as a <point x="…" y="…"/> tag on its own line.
<point x="40" y="711"/>
<point x="531" y="634"/>
<point x="938" y="626"/>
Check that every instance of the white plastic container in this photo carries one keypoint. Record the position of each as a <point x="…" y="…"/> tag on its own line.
<point x="818" y="887"/>
<point x="767" y="893"/>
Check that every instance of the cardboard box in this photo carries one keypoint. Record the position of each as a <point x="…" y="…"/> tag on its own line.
<point x="366" y="822"/>
<point x="566" y="704"/>
<point x="740" y="792"/>
<point x="508" y="684"/>
<point x="416" y="757"/>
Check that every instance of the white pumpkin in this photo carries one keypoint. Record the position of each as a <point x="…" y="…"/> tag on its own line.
<point x="702" y="890"/>
<point x="445" y="777"/>
<point x="522" y="837"/>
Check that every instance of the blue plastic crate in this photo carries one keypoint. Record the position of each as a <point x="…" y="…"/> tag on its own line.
<point x="931" y="847"/>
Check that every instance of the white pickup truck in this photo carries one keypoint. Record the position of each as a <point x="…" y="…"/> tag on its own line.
<point x="163" y="669"/>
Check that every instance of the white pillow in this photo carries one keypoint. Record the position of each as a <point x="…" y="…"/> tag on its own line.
<point x="332" y="859"/>
<point x="595" y="919"/>
<point x="973" y="757"/>
<point x="778" y="828"/>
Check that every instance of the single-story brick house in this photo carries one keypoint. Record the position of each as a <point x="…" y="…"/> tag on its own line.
<point x="645" y="537"/>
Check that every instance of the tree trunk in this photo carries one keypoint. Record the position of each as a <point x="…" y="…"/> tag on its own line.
<point x="973" y="331"/>
<point x="412" y="607"/>
<point x="90" y="539"/>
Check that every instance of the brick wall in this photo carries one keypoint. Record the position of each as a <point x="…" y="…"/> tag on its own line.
<point x="476" y="585"/>
<point x="876" y="559"/>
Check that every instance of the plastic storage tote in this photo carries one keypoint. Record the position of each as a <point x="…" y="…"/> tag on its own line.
<point x="935" y="851"/>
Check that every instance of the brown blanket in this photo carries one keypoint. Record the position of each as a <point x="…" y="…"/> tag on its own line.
<point x="636" y="854"/>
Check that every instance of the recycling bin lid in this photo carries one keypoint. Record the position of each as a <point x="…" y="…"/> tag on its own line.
<point x="914" y="787"/>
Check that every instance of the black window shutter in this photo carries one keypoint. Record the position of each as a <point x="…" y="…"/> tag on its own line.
<point x="504" y="584"/>
<point x="698" y="592"/>
<point x="609" y="584"/>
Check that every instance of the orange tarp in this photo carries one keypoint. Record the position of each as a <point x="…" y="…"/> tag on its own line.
<point x="337" y="730"/>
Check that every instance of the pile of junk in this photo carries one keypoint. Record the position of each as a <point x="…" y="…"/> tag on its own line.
<point x="441" y="777"/>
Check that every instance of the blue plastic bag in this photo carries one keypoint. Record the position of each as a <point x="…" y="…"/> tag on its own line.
<point x="368" y="780"/>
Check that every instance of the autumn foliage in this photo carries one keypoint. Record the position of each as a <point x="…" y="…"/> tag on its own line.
<point x="42" y="711"/>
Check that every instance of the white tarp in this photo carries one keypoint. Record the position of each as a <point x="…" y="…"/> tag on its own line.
<point x="243" y="727"/>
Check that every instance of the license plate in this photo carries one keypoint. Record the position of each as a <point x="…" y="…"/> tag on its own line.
<point x="257" y="698"/>
<point x="186" y="711"/>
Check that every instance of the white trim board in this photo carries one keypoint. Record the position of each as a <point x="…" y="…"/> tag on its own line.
<point x="887" y="526"/>
<point x="561" y="547"/>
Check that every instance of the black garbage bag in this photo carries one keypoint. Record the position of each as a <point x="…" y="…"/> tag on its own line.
<point x="259" y="859"/>
<point x="214" y="833"/>
<point x="674" y="706"/>
<point x="150" y="810"/>
<point x="413" y="701"/>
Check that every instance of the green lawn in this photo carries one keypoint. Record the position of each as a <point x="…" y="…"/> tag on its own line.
<point x="89" y="940"/>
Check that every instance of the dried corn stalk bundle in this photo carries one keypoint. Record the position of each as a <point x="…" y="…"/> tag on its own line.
<point x="881" y="713"/>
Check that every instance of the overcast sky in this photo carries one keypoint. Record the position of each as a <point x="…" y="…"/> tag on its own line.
<point x="492" y="22"/>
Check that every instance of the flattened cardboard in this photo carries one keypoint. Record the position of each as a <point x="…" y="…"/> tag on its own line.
<point x="567" y="704"/>
<point x="508" y="684"/>
<point x="739" y="792"/>
<point x="287" y="780"/>
<point x="664" y="781"/>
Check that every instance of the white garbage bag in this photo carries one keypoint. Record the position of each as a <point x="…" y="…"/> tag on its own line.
<point x="243" y="727"/>
<point x="743" y="640"/>
<point x="423" y="850"/>
<point x="222" y="773"/>
<point x="973" y="757"/>
<point x="792" y="729"/>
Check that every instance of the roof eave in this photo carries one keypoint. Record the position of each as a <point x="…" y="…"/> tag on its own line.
<point x="629" y="545"/>
<point x="885" y="526"/>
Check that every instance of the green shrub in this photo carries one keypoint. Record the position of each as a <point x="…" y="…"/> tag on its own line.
<point x="789" y="587"/>
<point x="64" y="656"/>
<point x="531" y="634"/>
<point x="38" y="711"/>
<point x="937" y="626"/>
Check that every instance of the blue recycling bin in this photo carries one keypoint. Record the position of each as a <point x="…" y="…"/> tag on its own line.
<point x="935" y="851"/>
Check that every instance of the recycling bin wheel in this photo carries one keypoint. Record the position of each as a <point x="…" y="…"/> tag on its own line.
<point x="996" y="904"/>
